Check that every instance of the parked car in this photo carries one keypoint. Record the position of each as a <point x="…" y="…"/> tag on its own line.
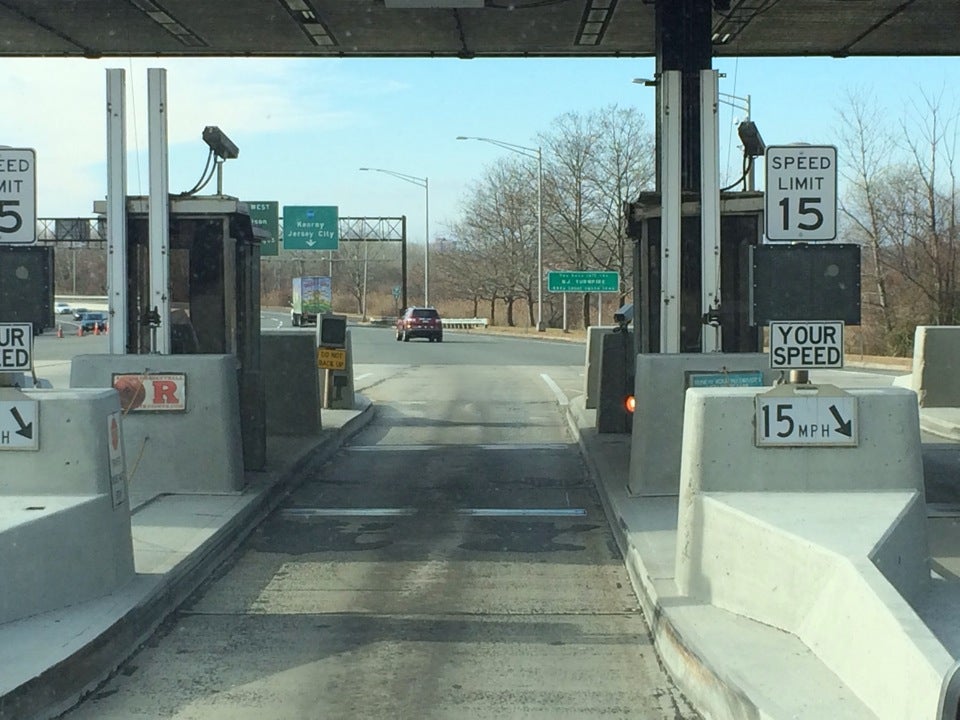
<point x="78" y="313"/>
<point x="62" y="308"/>
<point x="420" y="322"/>
<point x="94" y="321"/>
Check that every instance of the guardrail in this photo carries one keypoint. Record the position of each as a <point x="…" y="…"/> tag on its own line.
<point x="464" y="323"/>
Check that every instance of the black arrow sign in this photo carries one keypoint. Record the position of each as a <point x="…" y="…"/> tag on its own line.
<point x="844" y="428"/>
<point x="26" y="429"/>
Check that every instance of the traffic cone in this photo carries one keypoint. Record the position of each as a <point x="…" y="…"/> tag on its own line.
<point x="96" y="328"/>
<point x="80" y="330"/>
<point x="59" y="330"/>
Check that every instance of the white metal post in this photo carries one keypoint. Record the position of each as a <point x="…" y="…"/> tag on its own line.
<point x="426" y="246"/>
<point x="116" y="213"/>
<point x="159" y="211"/>
<point x="670" y="97"/>
<point x="709" y="204"/>
<point x="540" y="325"/>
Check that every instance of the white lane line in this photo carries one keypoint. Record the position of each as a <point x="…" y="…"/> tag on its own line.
<point x="408" y="512"/>
<point x="523" y="512"/>
<point x="348" y="512"/>
<point x="493" y="446"/>
<point x="361" y="377"/>
<point x="561" y="398"/>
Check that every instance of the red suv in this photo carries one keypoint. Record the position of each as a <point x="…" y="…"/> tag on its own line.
<point x="420" y="322"/>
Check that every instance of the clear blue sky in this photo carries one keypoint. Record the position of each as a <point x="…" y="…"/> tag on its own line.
<point x="304" y="127"/>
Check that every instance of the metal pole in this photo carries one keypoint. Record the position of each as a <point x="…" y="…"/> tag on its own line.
<point x="709" y="206"/>
<point x="670" y="187"/>
<point x="426" y="246"/>
<point x="116" y="213"/>
<point x="540" y="325"/>
<point x="366" y="246"/>
<point x="159" y="209"/>
<point x="751" y="176"/>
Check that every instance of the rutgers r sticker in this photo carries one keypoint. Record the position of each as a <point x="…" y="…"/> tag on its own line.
<point x="152" y="392"/>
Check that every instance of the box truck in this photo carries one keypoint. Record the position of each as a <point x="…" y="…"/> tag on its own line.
<point x="311" y="297"/>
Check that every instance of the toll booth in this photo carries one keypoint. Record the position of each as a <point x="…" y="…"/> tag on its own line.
<point x="741" y="228"/>
<point x="214" y="280"/>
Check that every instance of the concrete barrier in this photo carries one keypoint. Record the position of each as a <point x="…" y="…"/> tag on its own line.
<point x="936" y="366"/>
<point x="64" y="511"/>
<point x="837" y="541"/>
<point x="196" y="449"/>
<point x="591" y="375"/>
<point x="660" y="384"/>
<point x="291" y="383"/>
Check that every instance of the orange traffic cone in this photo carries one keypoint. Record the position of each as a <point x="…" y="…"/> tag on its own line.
<point x="80" y="330"/>
<point x="96" y="329"/>
<point x="106" y="328"/>
<point x="59" y="330"/>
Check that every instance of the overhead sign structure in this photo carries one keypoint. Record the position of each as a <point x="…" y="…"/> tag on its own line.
<point x="16" y="347"/>
<point x="806" y="415"/>
<point x="19" y="429"/>
<point x="800" y="201"/>
<point x="806" y="345"/>
<point x="583" y="281"/>
<point x="314" y="227"/>
<point x="266" y="214"/>
<point x="18" y="196"/>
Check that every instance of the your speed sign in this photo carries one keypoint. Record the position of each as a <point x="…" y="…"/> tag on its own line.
<point x="18" y="196"/>
<point x="800" y="202"/>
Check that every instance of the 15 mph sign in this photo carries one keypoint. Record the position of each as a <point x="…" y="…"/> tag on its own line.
<point x="800" y="202"/>
<point x="806" y="345"/>
<point x="18" y="196"/>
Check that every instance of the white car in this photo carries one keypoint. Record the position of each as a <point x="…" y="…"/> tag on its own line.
<point x="62" y="308"/>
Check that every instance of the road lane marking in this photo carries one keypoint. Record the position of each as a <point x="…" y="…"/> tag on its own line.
<point x="408" y="512"/>
<point x="523" y="512"/>
<point x="561" y="398"/>
<point x="348" y="512"/>
<point x="494" y="446"/>
<point x="361" y="377"/>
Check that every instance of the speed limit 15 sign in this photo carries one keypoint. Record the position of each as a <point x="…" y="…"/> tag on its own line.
<point x="800" y="202"/>
<point x="18" y="196"/>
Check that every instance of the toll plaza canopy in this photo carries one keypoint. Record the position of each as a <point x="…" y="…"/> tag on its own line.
<point x="466" y="28"/>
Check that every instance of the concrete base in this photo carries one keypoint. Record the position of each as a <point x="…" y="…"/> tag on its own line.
<point x="934" y="376"/>
<point x="838" y="551"/>
<point x="591" y="375"/>
<point x="661" y="381"/>
<point x="64" y="514"/>
<point x="198" y="450"/>
<point x="57" y="551"/>
<point x="292" y="386"/>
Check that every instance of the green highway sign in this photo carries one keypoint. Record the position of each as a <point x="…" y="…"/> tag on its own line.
<point x="266" y="214"/>
<point x="583" y="281"/>
<point x="314" y="227"/>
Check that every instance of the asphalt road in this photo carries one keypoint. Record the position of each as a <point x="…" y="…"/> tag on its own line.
<point x="452" y="562"/>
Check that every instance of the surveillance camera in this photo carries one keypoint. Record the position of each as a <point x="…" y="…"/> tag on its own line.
<point x="625" y="314"/>
<point x="220" y="143"/>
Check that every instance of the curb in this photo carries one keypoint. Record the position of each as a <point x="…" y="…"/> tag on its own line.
<point x="711" y="694"/>
<point x="65" y="684"/>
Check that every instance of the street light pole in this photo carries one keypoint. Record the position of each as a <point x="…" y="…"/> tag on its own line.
<point x="532" y="153"/>
<point x="425" y="184"/>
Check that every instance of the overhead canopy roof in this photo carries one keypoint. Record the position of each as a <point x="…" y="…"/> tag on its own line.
<point x="464" y="28"/>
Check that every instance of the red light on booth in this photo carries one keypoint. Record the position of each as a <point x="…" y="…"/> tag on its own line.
<point x="630" y="403"/>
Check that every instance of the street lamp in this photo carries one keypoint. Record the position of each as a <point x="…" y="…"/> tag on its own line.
<point x="425" y="184"/>
<point x="741" y="103"/>
<point x="537" y="154"/>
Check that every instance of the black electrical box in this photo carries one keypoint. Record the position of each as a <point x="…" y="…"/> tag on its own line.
<point x="805" y="281"/>
<point x="332" y="330"/>
<point x="26" y="285"/>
